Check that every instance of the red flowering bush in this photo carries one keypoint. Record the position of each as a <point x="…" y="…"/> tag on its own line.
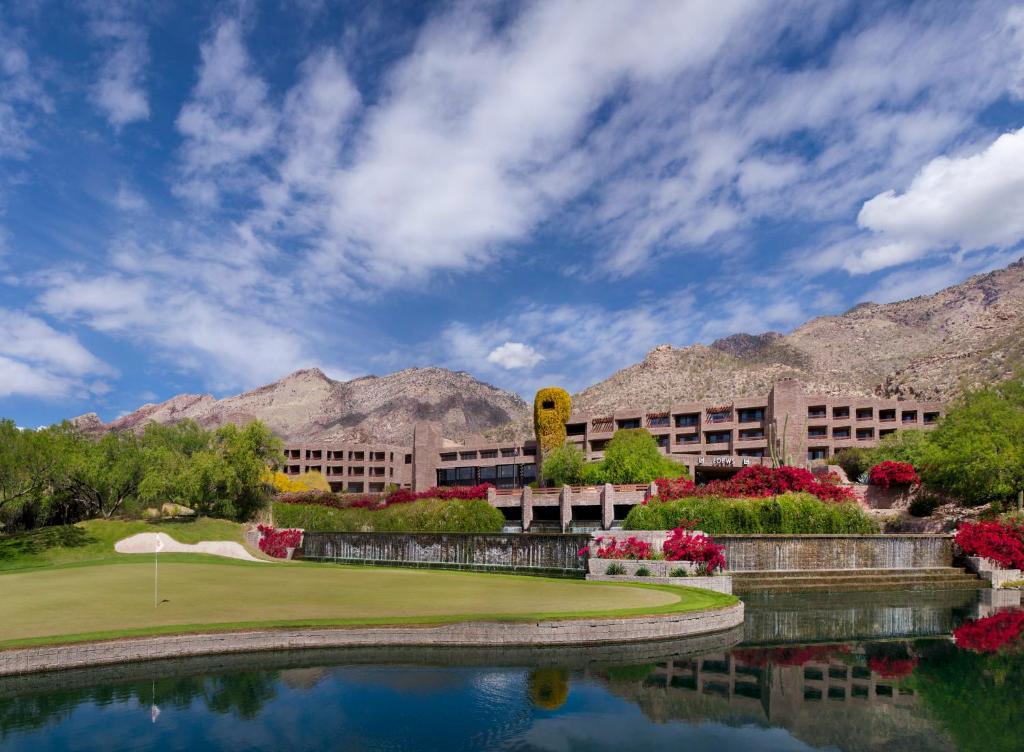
<point x="630" y="548"/>
<point x="889" y="667"/>
<point x="990" y="634"/>
<point x="1002" y="543"/>
<point x="685" y="545"/>
<point x="758" y="481"/>
<point x="277" y="542"/>
<point x="403" y="496"/>
<point x="889" y="473"/>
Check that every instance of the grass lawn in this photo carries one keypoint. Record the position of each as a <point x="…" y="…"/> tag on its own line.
<point x="94" y="540"/>
<point x="97" y="601"/>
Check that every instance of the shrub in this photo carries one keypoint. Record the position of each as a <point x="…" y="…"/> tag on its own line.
<point x="684" y="545"/>
<point x="679" y="572"/>
<point x="889" y="473"/>
<point x="615" y="569"/>
<point x="789" y="514"/>
<point x="277" y="542"/>
<point x="999" y="542"/>
<point x="630" y="548"/>
<point x="551" y="408"/>
<point x="563" y="466"/>
<point x="758" y="481"/>
<point x="855" y="461"/>
<point x="424" y="516"/>
<point x="924" y="504"/>
<point x="643" y="572"/>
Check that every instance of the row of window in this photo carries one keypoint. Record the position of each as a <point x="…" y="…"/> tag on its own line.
<point x="500" y="476"/>
<point x="487" y="454"/>
<point x="341" y="455"/>
<point x="885" y="415"/>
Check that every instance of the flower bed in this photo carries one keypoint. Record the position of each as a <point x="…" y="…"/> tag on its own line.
<point x="1000" y="542"/>
<point x="685" y="545"/>
<point x="630" y="548"/>
<point x="276" y="543"/>
<point x="757" y="481"/>
<point x="990" y="634"/>
<point x="375" y="502"/>
<point x="889" y="473"/>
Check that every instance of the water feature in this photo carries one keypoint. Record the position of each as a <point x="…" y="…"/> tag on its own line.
<point x="856" y="673"/>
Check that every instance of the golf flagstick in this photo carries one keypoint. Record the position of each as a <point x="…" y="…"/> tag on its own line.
<point x="156" y="569"/>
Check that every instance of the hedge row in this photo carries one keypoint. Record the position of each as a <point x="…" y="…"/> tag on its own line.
<point x="426" y="516"/>
<point x="788" y="514"/>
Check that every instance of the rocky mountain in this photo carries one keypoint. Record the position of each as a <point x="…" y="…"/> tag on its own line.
<point x="929" y="347"/>
<point x="308" y="405"/>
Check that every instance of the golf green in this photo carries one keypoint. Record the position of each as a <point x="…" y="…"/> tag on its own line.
<point x="112" y="599"/>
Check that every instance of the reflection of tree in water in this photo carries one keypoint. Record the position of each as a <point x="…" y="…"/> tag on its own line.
<point x="977" y="697"/>
<point x="241" y="694"/>
<point x="548" y="687"/>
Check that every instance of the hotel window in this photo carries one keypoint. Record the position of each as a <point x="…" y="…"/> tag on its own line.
<point x="575" y="429"/>
<point x="662" y="440"/>
<point x="629" y="423"/>
<point x="488" y="454"/>
<point x="719" y="416"/>
<point x="883" y="432"/>
<point x="376" y="487"/>
<point x="448" y="456"/>
<point x="528" y="473"/>
<point x="816" y="411"/>
<point x="506" y="476"/>
<point x="863" y="434"/>
<point x="531" y="451"/>
<point x="817" y="432"/>
<point x="930" y="418"/>
<point x="841" y="433"/>
<point x="355" y="487"/>
<point x="718" y="437"/>
<point x="509" y="452"/>
<point x="689" y="419"/>
<point x="658" y="421"/>
<point x="314" y="469"/>
<point x="752" y="433"/>
<point x="751" y="453"/>
<point x="909" y="416"/>
<point x="467" y="455"/>
<point x="408" y="459"/>
<point x="840" y="412"/>
<point x="886" y="416"/>
<point x="751" y="414"/>
<point x="489" y="475"/>
<point x="817" y="453"/>
<point x="687" y="438"/>
<point x="865" y="413"/>
<point x="465" y="476"/>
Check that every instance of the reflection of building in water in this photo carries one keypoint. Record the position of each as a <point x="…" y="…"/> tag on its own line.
<point x="826" y="701"/>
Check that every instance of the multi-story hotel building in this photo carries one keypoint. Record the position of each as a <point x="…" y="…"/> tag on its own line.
<point x="711" y="439"/>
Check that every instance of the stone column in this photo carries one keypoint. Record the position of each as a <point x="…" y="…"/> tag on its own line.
<point x="607" y="506"/>
<point x="527" y="508"/>
<point x="565" y="508"/>
<point x="426" y="453"/>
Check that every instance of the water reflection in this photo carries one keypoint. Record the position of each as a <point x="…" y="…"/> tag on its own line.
<point x="896" y="683"/>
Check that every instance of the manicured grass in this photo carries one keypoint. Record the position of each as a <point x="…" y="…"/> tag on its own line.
<point x="94" y="540"/>
<point x="106" y="600"/>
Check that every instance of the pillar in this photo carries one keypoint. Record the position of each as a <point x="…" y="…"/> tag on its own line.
<point x="607" y="506"/>
<point x="565" y="508"/>
<point x="527" y="508"/>
<point x="426" y="453"/>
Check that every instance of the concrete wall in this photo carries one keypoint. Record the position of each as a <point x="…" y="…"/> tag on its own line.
<point x="819" y="552"/>
<point x="534" y="554"/>
<point x="540" y="633"/>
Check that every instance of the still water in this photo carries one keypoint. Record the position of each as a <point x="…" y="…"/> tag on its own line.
<point x="875" y="671"/>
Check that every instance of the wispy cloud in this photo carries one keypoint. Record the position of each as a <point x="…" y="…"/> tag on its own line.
<point x="119" y="90"/>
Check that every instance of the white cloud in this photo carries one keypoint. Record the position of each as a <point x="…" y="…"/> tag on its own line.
<point x="37" y="360"/>
<point x="969" y="202"/>
<point x="513" y="355"/>
<point x="128" y="199"/>
<point x="119" y="91"/>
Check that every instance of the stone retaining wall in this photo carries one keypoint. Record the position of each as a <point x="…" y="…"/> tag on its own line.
<point x="535" y="633"/>
<point x="718" y="583"/>
<point x="817" y="552"/>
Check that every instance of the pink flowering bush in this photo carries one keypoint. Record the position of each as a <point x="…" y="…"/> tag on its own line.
<point x="628" y="548"/>
<point x="991" y="634"/>
<point x="277" y="542"/>
<point x="758" y="481"/>
<point x="888" y="474"/>
<point x="685" y="545"/>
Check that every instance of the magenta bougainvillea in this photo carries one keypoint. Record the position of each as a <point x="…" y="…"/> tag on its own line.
<point x="889" y="667"/>
<point x="368" y="501"/>
<point x="277" y="542"/>
<point x="628" y="548"/>
<point x="686" y="545"/>
<point x="888" y="474"/>
<point x="757" y="481"/>
<point x="1000" y="542"/>
<point x="991" y="634"/>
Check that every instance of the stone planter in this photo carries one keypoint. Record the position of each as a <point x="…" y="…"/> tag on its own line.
<point x="659" y="569"/>
<point x="989" y="570"/>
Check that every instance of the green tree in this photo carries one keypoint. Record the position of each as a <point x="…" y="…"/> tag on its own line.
<point x="564" y="465"/>
<point x="901" y="446"/>
<point x="29" y="461"/>
<point x="103" y="475"/>
<point x="977" y="450"/>
<point x="632" y="456"/>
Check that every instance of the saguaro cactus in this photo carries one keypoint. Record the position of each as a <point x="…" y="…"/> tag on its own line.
<point x="551" y="408"/>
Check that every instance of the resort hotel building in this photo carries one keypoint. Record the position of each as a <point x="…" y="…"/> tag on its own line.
<point x="713" y="440"/>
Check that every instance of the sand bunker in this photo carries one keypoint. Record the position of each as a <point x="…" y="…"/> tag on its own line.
<point x="145" y="543"/>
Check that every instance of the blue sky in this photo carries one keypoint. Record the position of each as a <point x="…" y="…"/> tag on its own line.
<point x="205" y="197"/>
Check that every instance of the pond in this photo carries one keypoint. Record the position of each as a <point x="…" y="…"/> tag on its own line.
<point x="854" y="672"/>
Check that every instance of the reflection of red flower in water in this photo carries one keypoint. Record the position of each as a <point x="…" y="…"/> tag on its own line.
<point x="891" y="668"/>
<point x="991" y="633"/>
<point x="794" y="656"/>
